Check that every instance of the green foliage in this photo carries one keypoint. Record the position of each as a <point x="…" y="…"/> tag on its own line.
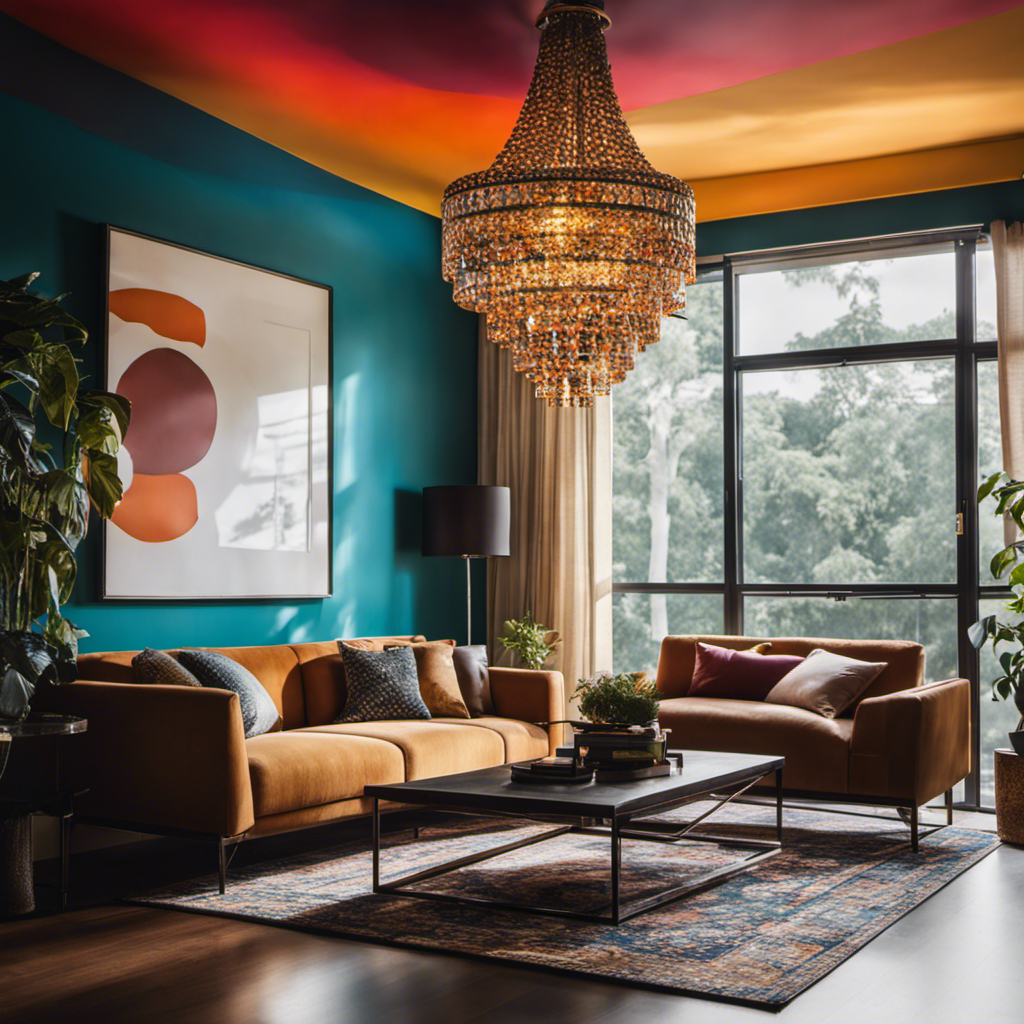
<point x="1009" y="498"/>
<point x="531" y="641"/>
<point x="45" y="489"/>
<point x="626" y="699"/>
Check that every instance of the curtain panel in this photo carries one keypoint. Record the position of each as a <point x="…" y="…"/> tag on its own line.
<point x="557" y="464"/>
<point x="1008" y="250"/>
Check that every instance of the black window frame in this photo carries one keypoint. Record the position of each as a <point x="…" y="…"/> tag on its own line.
<point x="966" y="353"/>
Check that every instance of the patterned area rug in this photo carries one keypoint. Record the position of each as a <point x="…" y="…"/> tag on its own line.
<point x="759" y="939"/>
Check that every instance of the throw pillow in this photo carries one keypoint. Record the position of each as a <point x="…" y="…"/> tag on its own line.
<point x="382" y="686"/>
<point x="825" y="683"/>
<point x="216" y="670"/>
<point x="762" y="648"/>
<point x="439" y="685"/>
<point x="474" y="683"/>
<point x="159" y="667"/>
<point x="737" y="675"/>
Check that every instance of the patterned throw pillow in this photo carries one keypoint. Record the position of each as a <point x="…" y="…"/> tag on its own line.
<point x="216" y="670"/>
<point x="159" y="667"/>
<point x="382" y="686"/>
<point x="439" y="685"/>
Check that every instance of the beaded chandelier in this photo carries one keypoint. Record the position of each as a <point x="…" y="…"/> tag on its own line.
<point x="570" y="242"/>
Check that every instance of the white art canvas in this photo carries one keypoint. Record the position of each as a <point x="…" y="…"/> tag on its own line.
<point x="226" y="463"/>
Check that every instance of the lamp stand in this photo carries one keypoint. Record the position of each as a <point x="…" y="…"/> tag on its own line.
<point x="469" y="602"/>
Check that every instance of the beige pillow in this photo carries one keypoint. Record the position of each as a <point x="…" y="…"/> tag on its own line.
<point x="825" y="683"/>
<point x="439" y="685"/>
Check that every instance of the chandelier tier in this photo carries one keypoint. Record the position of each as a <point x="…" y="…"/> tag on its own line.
<point x="570" y="242"/>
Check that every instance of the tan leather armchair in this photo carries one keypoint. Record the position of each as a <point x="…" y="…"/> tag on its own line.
<point x="902" y="744"/>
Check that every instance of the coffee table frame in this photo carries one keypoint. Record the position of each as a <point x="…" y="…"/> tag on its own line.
<point x="624" y="825"/>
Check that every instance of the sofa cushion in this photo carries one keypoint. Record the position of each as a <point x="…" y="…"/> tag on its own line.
<point x="430" y="748"/>
<point x="158" y="667"/>
<point x="211" y="668"/>
<point x="382" y="686"/>
<point x="816" y="749"/>
<point x="740" y="675"/>
<point x="905" y="659"/>
<point x="522" y="740"/>
<point x="439" y="685"/>
<point x="297" y="769"/>
<point x="825" y="683"/>
<point x="471" y="671"/>
<point x="323" y="676"/>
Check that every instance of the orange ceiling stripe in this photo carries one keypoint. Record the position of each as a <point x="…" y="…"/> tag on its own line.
<point x="799" y="188"/>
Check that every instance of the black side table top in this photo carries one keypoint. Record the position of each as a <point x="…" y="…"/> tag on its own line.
<point x="44" y="724"/>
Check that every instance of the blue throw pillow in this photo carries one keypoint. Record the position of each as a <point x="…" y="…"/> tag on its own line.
<point x="259" y="712"/>
<point x="383" y="686"/>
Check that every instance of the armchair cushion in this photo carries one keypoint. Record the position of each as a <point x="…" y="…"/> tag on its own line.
<point x="825" y="683"/>
<point x="740" y="675"/>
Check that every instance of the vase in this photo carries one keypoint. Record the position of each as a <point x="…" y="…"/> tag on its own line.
<point x="1017" y="741"/>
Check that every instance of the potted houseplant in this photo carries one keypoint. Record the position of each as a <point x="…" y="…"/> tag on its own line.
<point x="1009" y="495"/>
<point x="58" y="443"/>
<point x="628" y="699"/>
<point x="529" y="640"/>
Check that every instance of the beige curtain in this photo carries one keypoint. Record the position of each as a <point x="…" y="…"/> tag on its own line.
<point x="557" y="463"/>
<point x="1008" y="249"/>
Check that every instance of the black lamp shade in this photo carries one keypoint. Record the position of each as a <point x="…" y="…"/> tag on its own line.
<point x="466" y="520"/>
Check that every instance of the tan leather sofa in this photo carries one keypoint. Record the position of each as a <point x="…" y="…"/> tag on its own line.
<point x="174" y="759"/>
<point x="903" y="743"/>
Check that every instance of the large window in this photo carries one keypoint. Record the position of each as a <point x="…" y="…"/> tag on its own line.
<point x="797" y="456"/>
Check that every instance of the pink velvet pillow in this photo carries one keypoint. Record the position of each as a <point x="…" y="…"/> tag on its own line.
<point x="740" y="675"/>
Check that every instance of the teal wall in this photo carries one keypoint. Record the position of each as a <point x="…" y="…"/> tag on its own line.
<point x="95" y="147"/>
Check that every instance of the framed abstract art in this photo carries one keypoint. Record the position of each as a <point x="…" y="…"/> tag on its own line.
<point x="226" y="464"/>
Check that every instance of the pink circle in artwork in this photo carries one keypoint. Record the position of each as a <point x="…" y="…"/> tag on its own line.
<point x="174" y="411"/>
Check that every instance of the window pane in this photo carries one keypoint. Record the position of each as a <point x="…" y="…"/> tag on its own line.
<point x="985" y="294"/>
<point x="641" y="621"/>
<point x="990" y="460"/>
<point x="929" y="621"/>
<point x="849" y="474"/>
<point x="997" y="717"/>
<point x="865" y="302"/>
<point x="667" y="451"/>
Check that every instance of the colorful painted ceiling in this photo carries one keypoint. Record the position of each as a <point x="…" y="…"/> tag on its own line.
<point x="760" y="104"/>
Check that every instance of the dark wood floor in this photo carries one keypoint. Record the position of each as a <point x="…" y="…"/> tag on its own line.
<point x="954" y="960"/>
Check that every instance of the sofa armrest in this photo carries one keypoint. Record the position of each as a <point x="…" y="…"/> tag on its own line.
<point x="530" y="696"/>
<point x="170" y="756"/>
<point x="915" y="743"/>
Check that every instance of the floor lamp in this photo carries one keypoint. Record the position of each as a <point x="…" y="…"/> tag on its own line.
<point x="466" y="522"/>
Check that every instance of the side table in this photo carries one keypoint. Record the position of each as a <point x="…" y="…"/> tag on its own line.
<point x="1010" y="796"/>
<point x="29" y="794"/>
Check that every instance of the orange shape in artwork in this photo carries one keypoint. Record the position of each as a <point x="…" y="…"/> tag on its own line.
<point x="167" y="314"/>
<point x="157" y="508"/>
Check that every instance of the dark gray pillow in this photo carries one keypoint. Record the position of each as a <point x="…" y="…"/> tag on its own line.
<point x="159" y="667"/>
<point x="216" y="670"/>
<point x="474" y="684"/>
<point x="825" y="683"/>
<point x="382" y="686"/>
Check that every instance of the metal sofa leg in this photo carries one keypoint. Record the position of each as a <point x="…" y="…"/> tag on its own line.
<point x="949" y="806"/>
<point x="222" y="858"/>
<point x="913" y="828"/>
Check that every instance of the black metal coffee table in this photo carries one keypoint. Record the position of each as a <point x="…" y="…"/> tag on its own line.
<point x="618" y="810"/>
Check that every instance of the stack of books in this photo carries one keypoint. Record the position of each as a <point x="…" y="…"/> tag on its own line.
<point x="552" y="769"/>
<point x="622" y="754"/>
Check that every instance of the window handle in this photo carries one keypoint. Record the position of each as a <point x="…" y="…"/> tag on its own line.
<point x="959" y="524"/>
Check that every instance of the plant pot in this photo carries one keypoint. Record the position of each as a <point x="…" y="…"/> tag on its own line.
<point x="1017" y="740"/>
<point x="16" y="895"/>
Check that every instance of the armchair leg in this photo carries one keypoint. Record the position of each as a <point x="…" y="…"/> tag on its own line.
<point x="222" y="861"/>
<point x="949" y="806"/>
